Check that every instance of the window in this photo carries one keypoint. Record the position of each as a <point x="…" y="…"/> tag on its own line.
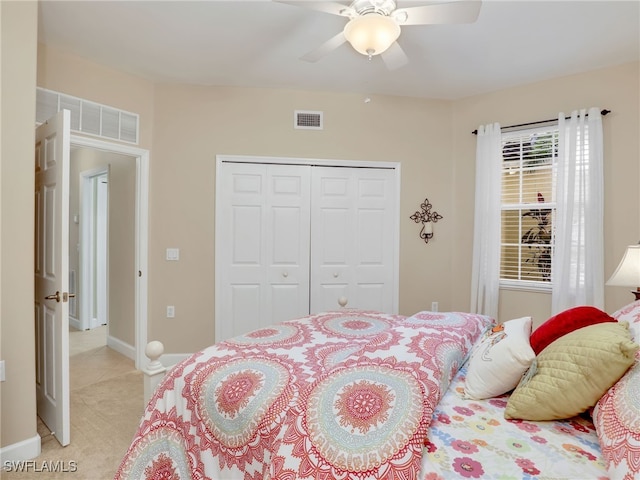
<point x="529" y="163"/>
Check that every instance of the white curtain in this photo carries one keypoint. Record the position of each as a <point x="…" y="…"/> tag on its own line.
<point x="578" y="262"/>
<point x="485" y="273"/>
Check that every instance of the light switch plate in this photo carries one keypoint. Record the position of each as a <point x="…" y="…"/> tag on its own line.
<point x="2" y="376"/>
<point x="173" y="254"/>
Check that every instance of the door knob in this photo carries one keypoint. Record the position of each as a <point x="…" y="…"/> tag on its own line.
<point x="285" y="274"/>
<point x="65" y="296"/>
<point x="55" y="297"/>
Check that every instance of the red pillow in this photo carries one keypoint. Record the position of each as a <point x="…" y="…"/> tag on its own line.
<point x="566" y="322"/>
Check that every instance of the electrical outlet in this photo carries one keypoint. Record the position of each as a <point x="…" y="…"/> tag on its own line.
<point x="434" y="306"/>
<point x="2" y="376"/>
<point x="171" y="311"/>
<point x="173" y="254"/>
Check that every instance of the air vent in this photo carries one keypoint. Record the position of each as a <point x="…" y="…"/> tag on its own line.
<point x="88" y="117"/>
<point x="307" y="120"/>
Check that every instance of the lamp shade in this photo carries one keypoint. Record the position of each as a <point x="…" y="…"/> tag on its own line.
<point x="628" y="272"/>
<point x="371" y="34"/>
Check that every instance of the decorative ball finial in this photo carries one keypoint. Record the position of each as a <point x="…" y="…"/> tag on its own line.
<point x="153" y="351"/>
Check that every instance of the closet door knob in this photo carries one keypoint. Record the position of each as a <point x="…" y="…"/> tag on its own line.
<point x="335" y="275"/>
<point x="285" y="274"/>
<point x="342" y="301"/>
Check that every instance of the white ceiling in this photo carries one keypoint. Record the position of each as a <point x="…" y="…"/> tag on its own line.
<point x="259" y="43"/>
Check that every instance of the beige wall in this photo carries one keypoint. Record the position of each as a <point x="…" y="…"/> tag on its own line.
<point x="616" y="89"/>
<point x="194" y="124"/>
<point x="18" y="27"/>
<point x="79" y="77"/>
<point x="122" y="184"/>
<point x="191" y="125"/>
<point x="431" y="139"/>
<point x="122" y="266"/>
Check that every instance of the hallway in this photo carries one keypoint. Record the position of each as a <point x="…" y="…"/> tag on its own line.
<point x="106" y="407"/>
<point x="91" y="361"/>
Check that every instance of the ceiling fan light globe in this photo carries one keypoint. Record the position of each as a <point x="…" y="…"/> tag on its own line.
<point x="371" y="34"/>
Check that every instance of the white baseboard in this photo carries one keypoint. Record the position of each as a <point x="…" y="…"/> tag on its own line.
<point x="119" y="346"/>
<point x="170" y="359"/>
<point x="95" y="323"/>
<point x="75" y="323"/>
<point x="24" y="450"/>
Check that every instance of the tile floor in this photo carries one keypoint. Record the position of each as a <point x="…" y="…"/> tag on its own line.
<point x="91" y="361"/>
<point x="106" y="405"/>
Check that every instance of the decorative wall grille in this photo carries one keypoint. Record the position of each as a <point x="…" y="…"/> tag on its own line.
<point x="88" y="117"/>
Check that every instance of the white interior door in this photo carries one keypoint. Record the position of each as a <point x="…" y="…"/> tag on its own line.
<point x="353" y="234"/>
<point x="52" y="274"/>
<point x="101" y="250"/>
<point x="94" y="246"/>
<point x="262" y="245"/>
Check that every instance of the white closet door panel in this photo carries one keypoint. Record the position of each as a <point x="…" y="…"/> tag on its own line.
<point x="247" y="231"/>
<point x="246" y="313"/>
<point x="374" y="251"/>
<point x="326" y="295"/>
<point x="286" y="235"/>
<point x="352" y="238"/>
<point x="264" y="228"/>
<point x="246" y="251"/>
<point x="289" y="247"/>
<point x="285" y="301"/>
<point x="334" y="237"/>
<point x="332" y="246"/>
<point x="288" y="214"/>
<point x="371" y="224"/>
<point x="242" y="239"/>
<point x="371" y="296"/>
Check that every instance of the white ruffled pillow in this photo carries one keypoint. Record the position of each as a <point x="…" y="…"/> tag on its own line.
<point x="500" y="359"/>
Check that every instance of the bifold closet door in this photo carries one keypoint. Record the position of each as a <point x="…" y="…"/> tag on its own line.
<point x="353" y="230"/>
<point x="264" y="229"/>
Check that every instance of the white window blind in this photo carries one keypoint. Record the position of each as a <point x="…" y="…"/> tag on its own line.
<point x="528" y="206"/>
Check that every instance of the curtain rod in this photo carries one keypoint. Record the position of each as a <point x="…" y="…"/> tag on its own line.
<point x="603" y="112"/>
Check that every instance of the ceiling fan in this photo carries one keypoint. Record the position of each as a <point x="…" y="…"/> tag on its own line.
<point x="374" y="25"/>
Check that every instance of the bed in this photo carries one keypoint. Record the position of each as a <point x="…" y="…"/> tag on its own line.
<point x="367" y="395"/>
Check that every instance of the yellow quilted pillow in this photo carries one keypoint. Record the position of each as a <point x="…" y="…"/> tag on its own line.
<point x="573" y="372"/>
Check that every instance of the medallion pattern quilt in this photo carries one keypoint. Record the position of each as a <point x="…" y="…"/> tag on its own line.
<point x="338" y="395"/>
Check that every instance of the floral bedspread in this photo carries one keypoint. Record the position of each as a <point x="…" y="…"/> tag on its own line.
<point x="339" y="395"/>
<point x="471" y="439"/>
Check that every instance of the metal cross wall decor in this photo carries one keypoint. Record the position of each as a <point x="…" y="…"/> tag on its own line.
<point x="426" y="217"/>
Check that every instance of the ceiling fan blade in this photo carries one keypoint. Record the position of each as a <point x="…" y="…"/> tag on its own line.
<point x="394" y="57"/>
<point x="466" y="11"/>
<point x="333" y="8"/>
<point x="325" y="48"/>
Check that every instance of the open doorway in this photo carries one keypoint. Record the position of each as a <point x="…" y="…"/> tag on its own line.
<point x="102" y="245"/>
<point x="108" y="211"/>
